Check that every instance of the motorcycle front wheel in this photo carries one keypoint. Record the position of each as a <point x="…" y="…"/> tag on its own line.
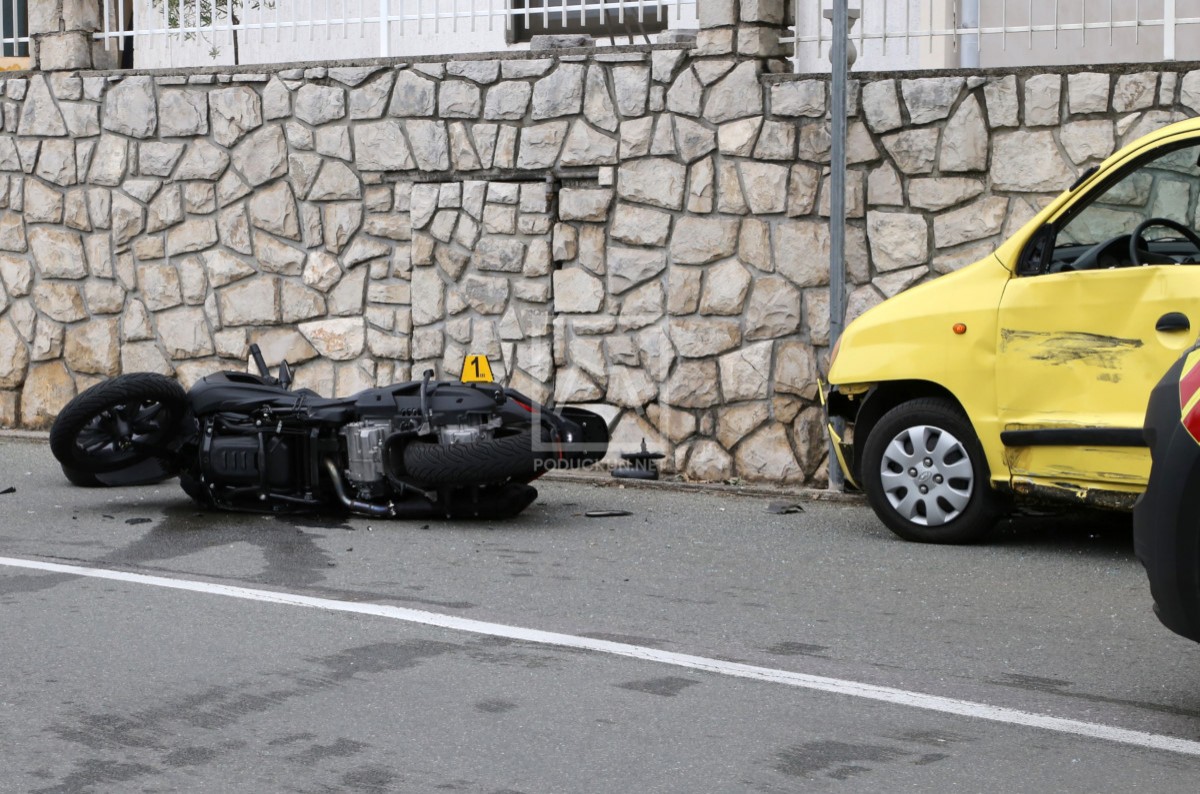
<point x="118" y="424"/>
<point x="493" y="460"/>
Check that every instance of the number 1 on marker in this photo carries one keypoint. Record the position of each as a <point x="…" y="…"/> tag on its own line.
<point x="476" y="369"/>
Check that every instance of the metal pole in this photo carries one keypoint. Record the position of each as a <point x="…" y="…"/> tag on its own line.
<point x="837" y="193"/>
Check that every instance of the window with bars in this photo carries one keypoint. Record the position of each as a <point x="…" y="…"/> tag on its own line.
<point x="602" y="20"/>
<point x="15" y="29"/>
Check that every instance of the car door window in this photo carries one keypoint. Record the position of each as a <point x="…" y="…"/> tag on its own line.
<point x="1147" y="216"/>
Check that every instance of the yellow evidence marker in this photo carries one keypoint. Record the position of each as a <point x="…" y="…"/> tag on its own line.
<point x="476" y="369"/>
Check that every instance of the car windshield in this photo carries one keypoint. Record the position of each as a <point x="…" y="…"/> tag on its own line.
<point x="1157" y="200"/>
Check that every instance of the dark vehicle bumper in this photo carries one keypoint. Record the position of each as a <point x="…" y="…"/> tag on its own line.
<point x="835" y="431"/>
<point x="1166" y="519"/>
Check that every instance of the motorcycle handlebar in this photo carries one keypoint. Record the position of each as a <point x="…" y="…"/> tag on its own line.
<point x="259" y="361"/>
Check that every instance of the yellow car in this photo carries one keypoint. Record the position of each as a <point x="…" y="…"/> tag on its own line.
<point x="1026" y="375"/>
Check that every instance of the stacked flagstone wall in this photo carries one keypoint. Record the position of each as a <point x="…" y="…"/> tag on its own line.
<point x="640" y="227"/>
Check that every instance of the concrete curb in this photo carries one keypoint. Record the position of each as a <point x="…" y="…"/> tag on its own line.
<point x="757" y="490"/>
<point x="25" y="435"/>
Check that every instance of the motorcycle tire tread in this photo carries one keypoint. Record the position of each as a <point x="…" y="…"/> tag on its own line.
<point x="475" y="463"/>
<point x="120" y="390"/>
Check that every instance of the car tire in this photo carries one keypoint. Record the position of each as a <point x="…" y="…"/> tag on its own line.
<point x="925" y="474"/>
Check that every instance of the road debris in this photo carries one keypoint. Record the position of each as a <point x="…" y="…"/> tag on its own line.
<point x="642" y="465"/>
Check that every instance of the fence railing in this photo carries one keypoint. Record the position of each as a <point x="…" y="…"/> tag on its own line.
<point x="194" y="32"/>
<point x="915" y="34"/>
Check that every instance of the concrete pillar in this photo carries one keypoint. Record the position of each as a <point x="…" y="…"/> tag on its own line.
<point x="718" y="26"/>
<point x="60" y="33"/>
<point x="759" y="26"/>
<point x="749" y="28"/>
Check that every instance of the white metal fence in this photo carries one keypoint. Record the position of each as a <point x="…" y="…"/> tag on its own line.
<point x="916" y="34"/>
<point x="203" y="32"/>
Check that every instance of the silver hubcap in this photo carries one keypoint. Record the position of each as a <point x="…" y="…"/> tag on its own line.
<point x="927" y="475"/>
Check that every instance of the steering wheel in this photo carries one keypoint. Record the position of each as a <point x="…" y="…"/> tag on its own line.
<point x="1137" y="246"/>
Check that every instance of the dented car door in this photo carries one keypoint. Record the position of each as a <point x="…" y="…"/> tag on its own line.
<point x="1077" y="355"/>
<point x="1086" y="328"/>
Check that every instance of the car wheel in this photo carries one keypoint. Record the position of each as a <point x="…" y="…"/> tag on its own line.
<point x="925" y="474"/>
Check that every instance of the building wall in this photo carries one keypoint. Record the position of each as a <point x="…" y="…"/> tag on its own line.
<point x="638" y="227"/>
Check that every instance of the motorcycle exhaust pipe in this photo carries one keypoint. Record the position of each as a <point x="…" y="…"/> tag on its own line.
<point x="354" y="505"/>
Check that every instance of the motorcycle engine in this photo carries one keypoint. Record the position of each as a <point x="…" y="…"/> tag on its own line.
<point x="463" y="434"/>
<point x="364" y="453"/>
<point x="366" y="469"/>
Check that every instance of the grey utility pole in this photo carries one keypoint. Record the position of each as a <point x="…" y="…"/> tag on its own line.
<point x="841" y="56"/>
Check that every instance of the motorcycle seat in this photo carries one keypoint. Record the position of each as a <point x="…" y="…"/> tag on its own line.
<point x="241" y="391"/>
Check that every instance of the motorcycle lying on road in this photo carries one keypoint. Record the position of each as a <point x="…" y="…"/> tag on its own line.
<point x="245" y="442"/>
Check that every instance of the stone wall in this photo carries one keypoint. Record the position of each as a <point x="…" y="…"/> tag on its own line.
<point x="642" y="227"/>
<point x="944" y="168"/>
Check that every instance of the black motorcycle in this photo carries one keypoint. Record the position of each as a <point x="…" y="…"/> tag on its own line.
<point x="246" y="442"/>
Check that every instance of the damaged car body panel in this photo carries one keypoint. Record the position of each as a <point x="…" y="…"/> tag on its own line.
<point x="1069" y="347"/>
<point x="1027" y="373"/>
<point x="1076" y="355"/>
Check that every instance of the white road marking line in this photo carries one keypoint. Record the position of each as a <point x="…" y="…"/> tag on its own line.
<point x="963" y="708"/>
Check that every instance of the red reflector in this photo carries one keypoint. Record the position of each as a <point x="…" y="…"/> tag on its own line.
<point x="960" y="328"/>
<point x="1188" y="385"/>
<point x="1191" y="422"/>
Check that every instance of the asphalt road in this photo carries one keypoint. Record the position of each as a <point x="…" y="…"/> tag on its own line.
<point x="700" y="644"/>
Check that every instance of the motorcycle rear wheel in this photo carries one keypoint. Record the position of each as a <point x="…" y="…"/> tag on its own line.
<point x="494" y="460"/>
<point x="119" y="423"/>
